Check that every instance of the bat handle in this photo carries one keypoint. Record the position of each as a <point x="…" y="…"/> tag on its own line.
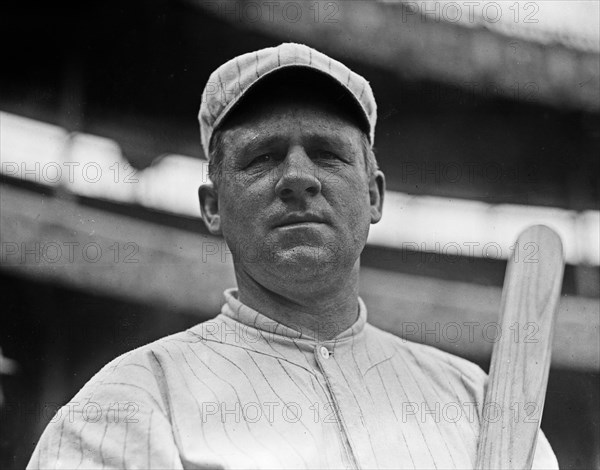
<point x="514" y="399"/>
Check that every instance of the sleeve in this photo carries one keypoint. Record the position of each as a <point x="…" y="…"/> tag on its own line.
<point x="475" y="380"/>
<point x="115" y="421"/>
<point x="544" y="458"/>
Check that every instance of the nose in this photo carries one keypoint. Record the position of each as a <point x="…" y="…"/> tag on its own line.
<point x="299" y="178"/>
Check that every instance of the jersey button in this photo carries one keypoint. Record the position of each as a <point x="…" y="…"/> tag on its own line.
<point x="324" y="352"/>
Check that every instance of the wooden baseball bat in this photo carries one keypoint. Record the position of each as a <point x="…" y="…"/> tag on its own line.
<point x="520" y="363"/>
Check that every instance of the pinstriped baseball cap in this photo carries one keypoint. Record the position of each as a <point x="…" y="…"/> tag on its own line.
<point x="233" y="80"/>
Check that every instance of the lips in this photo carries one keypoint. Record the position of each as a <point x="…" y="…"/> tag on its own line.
<point x="296" y="218"/>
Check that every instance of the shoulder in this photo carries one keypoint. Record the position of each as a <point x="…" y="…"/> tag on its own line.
<point x="433" y="366"/>
<point x="449" y="378"/>
<point x="151" y="369"/>
<point x="125" y="406"/>
<point x="135" y="373"/>
<point x="441" y="377"/>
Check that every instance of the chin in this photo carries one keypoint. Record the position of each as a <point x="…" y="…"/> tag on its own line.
<point x="305" y="260"/>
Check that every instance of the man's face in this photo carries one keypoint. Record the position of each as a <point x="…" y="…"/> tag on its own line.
<point x="294" y="198"/>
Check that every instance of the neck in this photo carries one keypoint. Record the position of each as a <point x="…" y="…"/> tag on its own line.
<point x="321" y="310"/>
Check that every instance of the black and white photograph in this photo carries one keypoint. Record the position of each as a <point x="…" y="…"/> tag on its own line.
<point x="310" y="234"/>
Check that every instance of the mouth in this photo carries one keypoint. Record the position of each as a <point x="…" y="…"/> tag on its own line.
<point x="298" y="220"/>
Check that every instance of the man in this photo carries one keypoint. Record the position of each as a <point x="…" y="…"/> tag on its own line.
<point x="289" y="375"/>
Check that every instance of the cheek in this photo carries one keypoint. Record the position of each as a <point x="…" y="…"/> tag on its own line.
<point x="231" y="209"/>
<point x="239" y="209"/>
<point x="353" y="195"/>
<point x="353" y="209"/>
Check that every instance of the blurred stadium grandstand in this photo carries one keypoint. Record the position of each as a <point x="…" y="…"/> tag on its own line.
<point x="488" y="122"/>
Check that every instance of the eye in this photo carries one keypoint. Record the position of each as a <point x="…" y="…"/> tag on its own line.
<point x="265" y="158"/>
<point x="325" y="155"/>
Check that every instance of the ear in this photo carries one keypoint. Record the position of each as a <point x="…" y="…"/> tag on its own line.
<point x="209" y="206"/>
<point x="376" y="192"/>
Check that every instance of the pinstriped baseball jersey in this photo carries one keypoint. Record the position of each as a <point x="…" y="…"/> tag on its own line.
<point x="242" y="391"/>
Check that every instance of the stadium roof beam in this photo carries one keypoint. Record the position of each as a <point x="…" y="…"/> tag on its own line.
<point x="57" y="240"/>
<point x="545" y="52"/>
